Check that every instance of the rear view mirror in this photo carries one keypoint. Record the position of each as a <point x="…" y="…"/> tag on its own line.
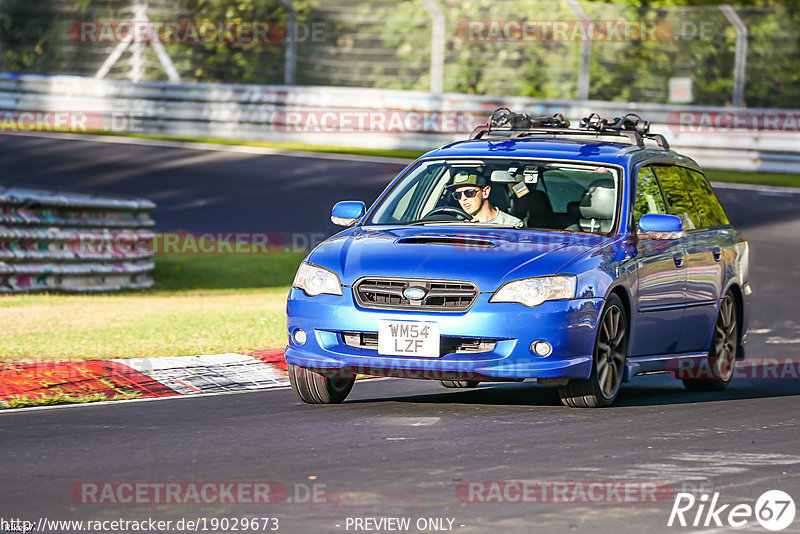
<point x="662" y="227"/>
<point x="505" y="177"/>
<point x="347" y="212"/>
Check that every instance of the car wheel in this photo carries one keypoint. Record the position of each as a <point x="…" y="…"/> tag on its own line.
<point x="459" y="383"/>
<point x="313" y="387"/>
<point x="722" y="356"/>
<point x="610" y="354"/>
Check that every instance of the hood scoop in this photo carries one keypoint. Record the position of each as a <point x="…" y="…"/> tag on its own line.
<point x="445" y="240"/>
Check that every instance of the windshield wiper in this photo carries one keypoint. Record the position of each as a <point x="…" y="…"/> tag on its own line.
<point x="457" y="223"/>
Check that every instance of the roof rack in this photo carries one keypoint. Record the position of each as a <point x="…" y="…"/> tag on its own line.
<point x="505" y="123"/>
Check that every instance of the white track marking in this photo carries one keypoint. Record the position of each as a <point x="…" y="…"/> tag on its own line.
<point x="704" y="466"/>
<point x="221" y="372"/>
<point x="407" y="421"/>
<point x="777" y="340"/>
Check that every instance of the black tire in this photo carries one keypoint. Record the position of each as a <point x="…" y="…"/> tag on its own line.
<point x="722" y="355"/>
<point x="459" y="384"/>
<point x="610" y="355"/>
<point x="313" y="387"/>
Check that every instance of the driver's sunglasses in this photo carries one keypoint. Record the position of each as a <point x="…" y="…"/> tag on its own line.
<point x="469" y="193"/>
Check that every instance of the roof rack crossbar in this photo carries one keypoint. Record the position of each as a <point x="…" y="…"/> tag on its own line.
<point x="505" y="123"/>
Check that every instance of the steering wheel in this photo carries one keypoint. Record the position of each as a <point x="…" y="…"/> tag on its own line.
<point x="458" y="213"/>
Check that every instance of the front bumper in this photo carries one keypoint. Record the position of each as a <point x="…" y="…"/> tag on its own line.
<point x="569" y="326"/>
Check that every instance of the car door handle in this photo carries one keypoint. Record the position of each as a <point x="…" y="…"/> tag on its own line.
<point x="717" y="252"/>
<point x="678" y="257"/>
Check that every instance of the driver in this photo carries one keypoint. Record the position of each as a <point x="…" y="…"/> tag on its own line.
<point x="472" y="193"/>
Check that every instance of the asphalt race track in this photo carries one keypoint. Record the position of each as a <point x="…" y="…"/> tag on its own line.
<point x="399" y="448"/>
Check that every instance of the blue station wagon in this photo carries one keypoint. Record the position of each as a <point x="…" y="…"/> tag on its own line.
<point x="579" y="257"/>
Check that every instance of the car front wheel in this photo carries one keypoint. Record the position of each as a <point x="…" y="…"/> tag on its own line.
<point x="313" y="387"/>
<point x="610" y="354"/>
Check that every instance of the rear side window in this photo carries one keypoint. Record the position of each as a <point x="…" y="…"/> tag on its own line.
<point x="567" y="184"/>
<point x="648" y="195"/>
<point x="562" y="189"/>
<point x="708" y="207"/>
<point x="679" y="201"/>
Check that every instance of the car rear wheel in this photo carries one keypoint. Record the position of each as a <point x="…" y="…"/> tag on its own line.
<point x="610" y="354"/>
<point x="722" y="356"/>
<point x="462" y="384"/>
<point x="313" y="387"/>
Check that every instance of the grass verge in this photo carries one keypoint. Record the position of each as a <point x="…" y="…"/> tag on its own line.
<point x="302" y="147"/>
<point x="201" y="304"/>
<point x="755" y="178"/>
<point x="62" y="398"/>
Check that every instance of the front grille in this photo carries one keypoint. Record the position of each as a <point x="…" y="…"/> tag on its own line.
<point x="440" y="295"/>
<point x="449" y="345"/>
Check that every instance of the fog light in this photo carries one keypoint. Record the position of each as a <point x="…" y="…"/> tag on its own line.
<point x="542" y="348"/>
<point x="299" y="336"/>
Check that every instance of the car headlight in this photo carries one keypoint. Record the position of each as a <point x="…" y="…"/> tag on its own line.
<point x="316" y="280"/>
<point x="533" y="291"/>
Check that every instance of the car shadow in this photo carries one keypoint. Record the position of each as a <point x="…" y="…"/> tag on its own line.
<point x="631" y="394"/>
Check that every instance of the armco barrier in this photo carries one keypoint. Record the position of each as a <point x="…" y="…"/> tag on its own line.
<point x="257" y="111"/>
<point x="52" y="240"/>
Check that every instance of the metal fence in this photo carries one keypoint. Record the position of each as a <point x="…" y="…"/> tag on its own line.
<point x="52" y="240"/>
<point x="711" y="55"/>
<point x="391" y="119"/>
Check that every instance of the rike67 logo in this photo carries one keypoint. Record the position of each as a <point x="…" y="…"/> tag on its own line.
<point x="774" y="510"/>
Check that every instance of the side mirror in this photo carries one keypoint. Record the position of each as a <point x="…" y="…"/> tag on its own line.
<point x="347" y="212"/>
<point x="661" y="227"/>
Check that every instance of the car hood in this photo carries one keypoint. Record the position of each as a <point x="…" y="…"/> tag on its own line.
<point x="486" y="256"/>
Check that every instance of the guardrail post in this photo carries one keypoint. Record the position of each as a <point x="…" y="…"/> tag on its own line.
<point x="740" y="61"/>
<point x="291" y="43"/>
<point x="586" y="53"/>
<point x="437" y="45"/>
<point x="137" y="47"/>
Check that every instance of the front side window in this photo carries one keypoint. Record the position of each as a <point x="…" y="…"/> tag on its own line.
<point x="648" y="195"/>
<point x="679" y="201"/>
<point x="708" y="207"/>
<point x="574" y="197"/>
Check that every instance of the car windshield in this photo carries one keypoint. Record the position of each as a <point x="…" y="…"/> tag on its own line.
<point x="544" y="195"/>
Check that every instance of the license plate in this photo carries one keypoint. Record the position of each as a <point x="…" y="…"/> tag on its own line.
<point x="408" y="338"/>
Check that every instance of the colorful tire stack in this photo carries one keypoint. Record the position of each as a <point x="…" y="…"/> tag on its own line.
<point x="52" y="240"/>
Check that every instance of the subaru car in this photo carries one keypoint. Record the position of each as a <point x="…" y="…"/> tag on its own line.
<point x="575" y="257"/>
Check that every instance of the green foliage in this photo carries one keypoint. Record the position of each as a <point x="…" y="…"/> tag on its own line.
<point x="648" y="195"/>
<point x="232" y="62"/>
<point x="387" y="44"/>
<point x="21" y="401"/>
<point x="26" y="33"/>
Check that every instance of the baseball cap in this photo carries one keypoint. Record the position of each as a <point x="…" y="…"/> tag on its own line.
<point x="462" y="179"/>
